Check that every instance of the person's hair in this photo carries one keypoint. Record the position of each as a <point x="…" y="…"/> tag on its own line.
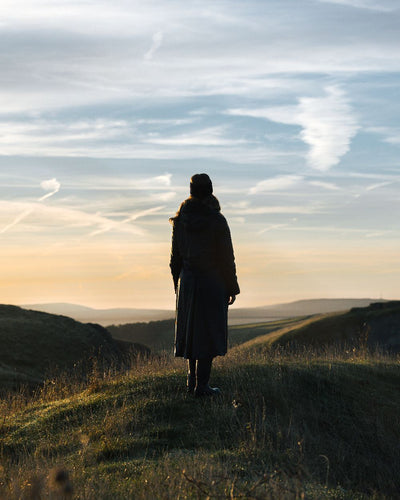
<point x="209" y="201"/>
<point x="201" y="186"/>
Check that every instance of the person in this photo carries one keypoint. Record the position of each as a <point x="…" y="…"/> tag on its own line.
<point x="204" y="274"/>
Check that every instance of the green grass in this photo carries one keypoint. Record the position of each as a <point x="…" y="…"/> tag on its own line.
<point x="286" y="426"/>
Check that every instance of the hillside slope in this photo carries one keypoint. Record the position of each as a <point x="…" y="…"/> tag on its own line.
<point x="284" y="428"/>
<point x="32" y="343"/>
<point x="375" y="326"/>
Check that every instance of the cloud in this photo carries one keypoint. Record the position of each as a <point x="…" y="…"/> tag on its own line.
<point x="275" y="184"/>
<point x="279" y="209"/>
<point x="157" y="41"/>
<point x="109" y="225"/>
<point x="391" y="134"/>
<point x="157" y="182"/>
<point x="73" y="217"/>
<point x="18" y="219"/>
<point x="272" y="227"/>
<point x="328" y="125"/>
<point x="380" y="6"/>
<point x="211" y="136"/>
<point x="325" y="185"/>
<point x="51" y="185"/>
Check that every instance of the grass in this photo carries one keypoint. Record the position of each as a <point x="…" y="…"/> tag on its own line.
<point x="288" y="425"/>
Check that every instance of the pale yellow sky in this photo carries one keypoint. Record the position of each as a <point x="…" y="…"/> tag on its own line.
<point x="136" y="274"/>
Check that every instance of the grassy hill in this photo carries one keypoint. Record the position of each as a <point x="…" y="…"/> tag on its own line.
<point x="291" y="423"/>
<point x="32" y="344"/>
<point x="374" y="327"/>
<point x="285" y="427"/>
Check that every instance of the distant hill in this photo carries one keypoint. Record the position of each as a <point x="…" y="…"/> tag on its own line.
<point x="237" y="315"/>
<point x="296" y="309"/>
<point x="32" y="343"/>
<point x="102" y="316"/>
<point x="377" y="325"/>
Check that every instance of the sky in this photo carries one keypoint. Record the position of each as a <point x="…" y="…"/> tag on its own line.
<point x="108" y="108"/>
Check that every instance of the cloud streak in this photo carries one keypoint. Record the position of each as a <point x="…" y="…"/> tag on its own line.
<point x="365" y="4"/>
<point x="275" y="184"/>
<point x="109" y="225"/>
<point x="328" y="125"/>
<point x="51" y="185"/>
<point x="157" y="41"/>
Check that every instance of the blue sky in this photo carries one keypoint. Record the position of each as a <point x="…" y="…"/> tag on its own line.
<point x="107" y="109"/>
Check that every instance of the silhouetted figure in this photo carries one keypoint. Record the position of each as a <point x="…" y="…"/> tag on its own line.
<point x="204" y="273"/>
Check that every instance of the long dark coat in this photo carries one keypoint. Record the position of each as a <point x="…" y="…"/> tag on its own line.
<point x="204" y="273"/>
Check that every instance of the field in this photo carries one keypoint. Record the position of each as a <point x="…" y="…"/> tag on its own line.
<point x="289" y="424"/>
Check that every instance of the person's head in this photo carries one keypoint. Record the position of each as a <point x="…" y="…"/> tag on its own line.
<point x="201" y="190"/>
<point x="201" y="186"/>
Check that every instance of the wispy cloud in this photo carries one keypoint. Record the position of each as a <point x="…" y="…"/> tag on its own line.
<point x="272" y="227"/>
<point x="280" y="209"/>
<point x="20" y="217"/>
<point x="328" y="124"/>
<point x="378" y="185"/>
<point x="73" y="218"/>
<point x="51" y="185"/>
<point x="157" y="41"/>
<point x="381" y="6"/>
<point x="391" y="135"/>
<point x="325" y="185"/>
<point x="109" y="225"/>
<point x="210" y="136"/>
<point x="275" y="184"/>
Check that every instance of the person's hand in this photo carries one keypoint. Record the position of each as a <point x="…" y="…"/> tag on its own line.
<point x="231" y="300"/>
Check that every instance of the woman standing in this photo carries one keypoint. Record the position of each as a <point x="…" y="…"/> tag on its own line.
<point x="204" y="273"/>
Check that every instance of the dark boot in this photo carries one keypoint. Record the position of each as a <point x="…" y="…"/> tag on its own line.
<point x="191" y="376"/>
<point x="203" y="377"/>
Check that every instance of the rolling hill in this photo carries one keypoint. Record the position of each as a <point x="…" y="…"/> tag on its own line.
<point x="102" y="316"/>
<point x="284" y="428"/>
<point x="237" y="315"/>
<point x="34" y="343"/>
<point x="375" y="326"/>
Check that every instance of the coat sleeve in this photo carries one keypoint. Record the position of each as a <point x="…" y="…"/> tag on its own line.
<point x="226" y="257"/>
<point x="176" y="260"/>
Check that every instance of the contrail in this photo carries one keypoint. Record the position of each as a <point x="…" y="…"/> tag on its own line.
<point x="51" y="185"/>
<point x="19" y="218"/>
<point x="115" y="225"/>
